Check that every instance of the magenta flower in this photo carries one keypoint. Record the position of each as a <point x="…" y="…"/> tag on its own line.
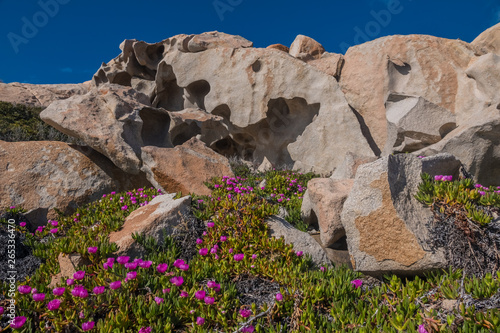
<point x="239" y="257"/>
<point x="122" y="260"/>
<point x="200" y="321"/>
<point x="54" y="304"/>
<point x="1" y="310"/>
<point x="54" y="223"/>
<point x="159" y="300"/>
<point x="210" y="224"/>
<point x="448" y="178"/>
<point x="88" y="325"/>
<point x="184" y="267"/>
<point x="107" y="265"/>
<point x="200" y="294"/>
<point x="131" y="275"/>
<point x="22" y="224"/>
<point x="482" y="193"/>
<point x="53" y="231"/>
<point x="70" y="282"/>
<point x="438" y="177"/>
<point x="199" y="241"/>
<point x="245" y="313"/>
<point x="223" y="238"/>
<point x="92" y="249"/>
<point x="203" y="251"/>
<point x="209" y="300"/>
<point x="110" y="260"/>
<point x="299" y="253"/>
<point x="80" y="291"/>
<point x="25" y="289"/>
<point x="131" y="265"/>
<point x="125" y="207"/>
<point x="179" y="262"/>
<point x="421" y="329"/>
<point x="356" y="283"/>
<point x="213" y="285"/>
<point x="322" y="268"/>
<point x="145" y="330"/>
<point x="145" y="264"/>
<point x="254" y="256"/>
<point x="279" y="297"/>
<point x="230" y="250"/>
<point x="213" y="250"/>
<point x="18" y="322"/>
<point x="177" y="280"/>
<point x="79" y="275"/>
<point x="248" y="329"/>
<point x="162" y="268"/>
<point x="183" y="294"/>
<point x="38" y="297"/>
<point x="99" y="290"/>
<point x="166" y="290"/>
<point x="115" y="285"/>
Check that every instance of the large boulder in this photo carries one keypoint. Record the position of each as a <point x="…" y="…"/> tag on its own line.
<point x="350" y="165"/>
<point x="413" y="123"/>
<point x="322" y="204"/>
<point x="159" y="217"/>
<point x="114" y="120"/>
<point x="488" y="40"/>
<point x="386" y="227"/>
<point x="40" y="176"/>
<point x="417" y="65"/>
<point x="306" y="48"/>
<point x="295" y="124"/>
<point x="329" y="63"/>
<point x="301" y="240"/>
<point x="184" y="168"/>
<point x="39" y="95"/>
<point x="212" y="40"/>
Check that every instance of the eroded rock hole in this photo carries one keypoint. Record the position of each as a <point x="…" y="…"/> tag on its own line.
<point x="256" y="66"/>
<point x="155" y="128"/>
<point x="195" y="94"/>
<point x="184" y="132"/>
<point x="222" y="111"/>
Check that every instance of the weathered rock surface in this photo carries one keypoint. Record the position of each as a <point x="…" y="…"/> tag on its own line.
<point x="350" y="165"/>
<point x="489" y="40"/>
<point x="279" y="47"/>
<point x="184" y="168"/>
<point x="418" y="65"/>
<point x="302" y="241"/>
<point x="385" y="225"/>
<point x="161" y="215"/>
<point x="214" y="39"/>
<point x="323" y="203"/>
<point x="329" y="63"/>
<point x="306" y="48"/>
<point x="68" y="264"/>
<point x="39" y="95"/>
<point x="414" y="123"/>
<point x="114" y="120"/>
<point x="40" y="176"/>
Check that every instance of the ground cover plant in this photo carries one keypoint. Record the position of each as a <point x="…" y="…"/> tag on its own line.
<point x="221" y="272"/>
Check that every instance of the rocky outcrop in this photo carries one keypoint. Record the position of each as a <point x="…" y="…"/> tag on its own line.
<point x="40" y="176"/>
<point x="279" y="47"/>
<point x="68" y="265"/>
<point x="39" y="95"/>
<point x="322" y="204"/>
<point x="301" y="241"/>
<point x="306" y="48"/>
<point x="157" y="218"/>
<point x="329" y="63"/>
<point x="424" y="66"/>
<point x="212" y="40"/>
<point x="488" y="41"/>
<point x="386" y="227"/>
<point x="350" y="165"/>
<point x="184" y="168"/>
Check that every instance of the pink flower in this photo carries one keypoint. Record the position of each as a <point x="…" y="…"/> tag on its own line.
<point x="18" y="322"/>
<point x="448" y="178"/>
<point x="178" y="263"/>
<point x="231" y="250"/>
<point x="213" y="285"/>
<point x="88" y="326"/>
<point x="107" y="265"/>
<point x="254" y="256"/>
<point x="210" y="224"/>
<point x="356" y="283"/>
<point x="248" y="329"/>
<point x="131" y="265"/>
<point x="166" y="290"/>
<point x="203" y="251"/>
<point x="279" y="297"/>
<point x="99" y="290"/>
<point x="299" y="253"/>
<point x="245" y="313"/>
<point x="25" y="289"/>
<point x="54" y="304"/>
<point x="122" y="260"/>
<point x="70" y="282"/>
<point x="80" y="291"/>
<point x="1" y="310"/>
<point x="213" y="250"/>
<point x="200" y="321"/>
<point x="58" y="291"/>
<point x="482" y="193"/>
<point x="92" y="249"/>
<point x="131" y="275"/>
<point x="53" y="231"/>
<point x="38" y="297"/>
<point x="162" y="268"/>
<point x="184" y="267"/>
<point x="159" y="300"/>
<point x="177" y="280"/>
<point x="239" y="257"/>
<point x="223" y="238"/>
<point x="209" y="300"/>
<point x="199" y="241"/>
<point x="146" y="264"/>
<point x="79" y="275"/>
<point x="421" y="329"/>
<point x="438" y="177"/>
<point x="145" y="330"/>
<point x="322" y="268"/>
<point x="115" y="285"/>
<point x="22" y="224"/>
<point x="125" y="207"/>
<point x="183" y="294"/>
<point x="200" y="294"/>
<point x="54" y="223"/>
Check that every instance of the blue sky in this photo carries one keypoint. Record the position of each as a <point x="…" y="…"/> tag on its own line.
<point x="44" y="43"/>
